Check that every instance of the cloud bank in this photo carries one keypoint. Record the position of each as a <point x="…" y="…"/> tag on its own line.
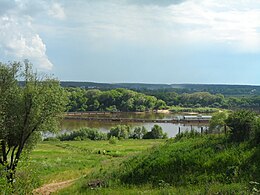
<point x="19" y="39"/>
<point x="234" y="24"/>
<point x="25" y="25"/>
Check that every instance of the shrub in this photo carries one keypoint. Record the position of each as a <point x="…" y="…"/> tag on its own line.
<point x="113" y="140"/>
<point x="256" y="132"/>
<point x="120" y="131"/>
<point x="83" y="134"/>
<point x="188" y="134"/>
<point x="241" y="124"/>
<point x="217" y="121"/>
<point x="139" y="132"/>
<point x="155" y="133"/>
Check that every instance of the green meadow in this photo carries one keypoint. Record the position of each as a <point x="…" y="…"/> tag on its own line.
<point x="55" y="161"/>
<point x="207" y="164"/>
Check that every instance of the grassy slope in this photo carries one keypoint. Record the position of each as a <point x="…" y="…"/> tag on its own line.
<point x="191" y="166"/>
<point x="59" y="161"/>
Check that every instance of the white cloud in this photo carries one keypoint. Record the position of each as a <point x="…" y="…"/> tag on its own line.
<point x="19" y="41"/>
<point x="57" y="11"/>
<point x="234" y="24"/>
<point x="226" y="23"/>
<point x="19" y="38"/>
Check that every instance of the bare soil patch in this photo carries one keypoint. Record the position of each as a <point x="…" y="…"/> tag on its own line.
<point x="52" y="187"/>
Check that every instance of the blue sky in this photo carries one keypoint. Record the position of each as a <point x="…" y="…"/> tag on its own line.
<point x="148" y="41"/>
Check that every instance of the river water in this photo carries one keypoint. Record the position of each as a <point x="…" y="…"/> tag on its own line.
<point x="104" y="126"/>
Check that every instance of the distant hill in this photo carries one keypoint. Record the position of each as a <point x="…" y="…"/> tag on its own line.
<point x="233" y="90"/>
<point x="136" y="86"/>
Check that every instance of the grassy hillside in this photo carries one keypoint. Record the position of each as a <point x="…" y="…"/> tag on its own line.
<point x="58" y="161"/>
<point x="189" y="166"/>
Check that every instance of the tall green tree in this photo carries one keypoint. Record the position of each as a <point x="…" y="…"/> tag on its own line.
<point x="27" y="108"/>
<point x="218" y="121"/>
<point x="120" y="131"/>
<point x="241" y="124"/>
<point x="155" y="133"/>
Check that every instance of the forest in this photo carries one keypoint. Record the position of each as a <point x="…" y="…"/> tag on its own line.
<point x="132" y="101"/>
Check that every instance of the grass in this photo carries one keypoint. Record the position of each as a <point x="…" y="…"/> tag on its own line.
<point x="196" y="164"/>
<point x="177" y="109"/>
<point x="59" y="161"/>
<point x="199" y="165"/>
<point x="236" y="188"/>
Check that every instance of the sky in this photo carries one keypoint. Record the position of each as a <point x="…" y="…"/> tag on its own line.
<point x="136" y="41"/>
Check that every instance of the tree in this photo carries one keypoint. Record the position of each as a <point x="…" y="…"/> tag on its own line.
<point x="218" y="121"/>
<point x="139" y="132"/>
<point x="120" y="131"/>
<point x="27" y="109"/>
<point x="160" y="104"/>
<point x="241" y="124"/>
<point x="155" y="133"/>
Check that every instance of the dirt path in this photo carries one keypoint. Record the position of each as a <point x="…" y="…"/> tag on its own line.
<point x="52" y="187"/>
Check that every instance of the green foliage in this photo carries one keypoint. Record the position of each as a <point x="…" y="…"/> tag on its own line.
<point x="256" y="132"/>
<point x="5" y="186"/>
<point x="155" y="133"/>
<point x="188" y="135"/>
<point x="83" y="134"/>
<point x="112" y="100"/>
<point x="198" y="161"/>
<point x="217" y="121"/>
<point x="241" y="124"/>
<point x="113" y="140"/>
<point x="120" y="132"/>
<point x="77" y="100"/>
<point x="139" y="132"/>
<point x="27" y="109"/>
<point x="26" y="179"/>
<point x="190" y="109"/>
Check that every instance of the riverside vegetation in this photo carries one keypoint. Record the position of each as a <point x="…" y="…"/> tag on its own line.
<point x="190" y="163"/>
<point x="131" y="101"/>
<point x="223" y="163"/>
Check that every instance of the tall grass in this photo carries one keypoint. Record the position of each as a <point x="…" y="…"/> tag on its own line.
<point x="202" y="163"/>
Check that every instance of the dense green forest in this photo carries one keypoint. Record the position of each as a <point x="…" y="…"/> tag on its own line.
<point x="128" y="100"/>
<point x="206" y="99"/>
<point x="111" y="100"/>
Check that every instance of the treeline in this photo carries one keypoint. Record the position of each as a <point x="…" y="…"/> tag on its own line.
<point x="112" y="100"/>
<point x="205" y="99"/>
<point x="131" y="101"/>
<point x="227" y="90"/>
<point x="116" y="133"/>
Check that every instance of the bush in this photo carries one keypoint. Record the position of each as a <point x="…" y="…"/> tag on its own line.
<point x="241" y="124"/>
<point x="83" y="134"/>
<point x="155" y="133"/>
<point x="217" y="121"/>
<point x="139" y="132"/>
<point x="188" y="135"/>
<point x="120" y="131"/>
<point x="256" y="132"/>
<point x="113" y="140"/>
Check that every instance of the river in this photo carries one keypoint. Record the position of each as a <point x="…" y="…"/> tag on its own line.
<point x="104" y="126"/>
